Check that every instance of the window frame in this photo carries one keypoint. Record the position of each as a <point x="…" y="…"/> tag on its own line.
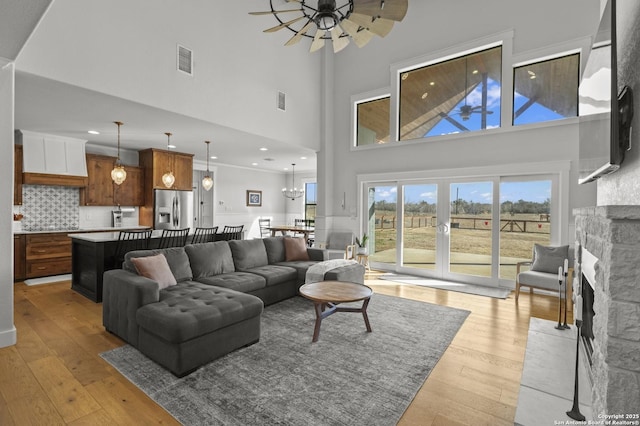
<point x="533" y="61"/>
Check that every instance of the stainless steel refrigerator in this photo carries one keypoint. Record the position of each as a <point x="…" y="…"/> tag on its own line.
<point x="172" y="209"/>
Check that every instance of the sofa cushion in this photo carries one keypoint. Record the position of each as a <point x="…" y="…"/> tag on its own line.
<point x="176" y="258"/>
<point x="210" y="259"/>
<point x="295" y="249"/>
<point x="239" y="281"/>
<point x="549" y="259"/>
<point x="275" y="274"/>
<point x="539" y="280"/>
<point x="275" y="249"/>
<point x="301" y="266"/>
<point x="155" y="268"/>
<point x="179" y="319"/>
<point x="248" y="254"/>
<point x="184" y="288"/>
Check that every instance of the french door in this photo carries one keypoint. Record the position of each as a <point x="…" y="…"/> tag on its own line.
<point x="456" y="229"/>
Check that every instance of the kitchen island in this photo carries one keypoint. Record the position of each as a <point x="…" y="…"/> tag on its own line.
<point x="91" y="255"/>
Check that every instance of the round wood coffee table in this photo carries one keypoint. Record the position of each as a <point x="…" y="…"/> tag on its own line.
<point x="326" y="295"/>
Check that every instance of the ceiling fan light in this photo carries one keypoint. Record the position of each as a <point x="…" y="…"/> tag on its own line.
<point x="326" y="21"/>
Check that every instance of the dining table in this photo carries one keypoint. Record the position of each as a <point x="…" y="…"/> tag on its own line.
<point x="286" y="229"/>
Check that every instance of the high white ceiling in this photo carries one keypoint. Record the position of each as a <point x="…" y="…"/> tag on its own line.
<point x="60" y="107"/>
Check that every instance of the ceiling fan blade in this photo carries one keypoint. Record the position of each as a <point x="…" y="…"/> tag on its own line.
<point x="380" y="27"/>
<point x="298" y="36"/>
<point x="318" y="41"/>
<point x="274" y="12"/>
<point x="339" y="43"/>
<point x="386" y="9"/>
<point x="283" y="25"/>
<point x="359" y="35"/>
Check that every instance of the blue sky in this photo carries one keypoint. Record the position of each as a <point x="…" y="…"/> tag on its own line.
<point x="480" y="192"/>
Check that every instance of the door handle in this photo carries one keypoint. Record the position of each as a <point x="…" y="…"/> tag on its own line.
<point x="442" y="228"/>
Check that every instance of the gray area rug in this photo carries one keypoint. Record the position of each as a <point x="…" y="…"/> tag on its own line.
<point x="479" y="290"/>
<point x="349" y="377"/>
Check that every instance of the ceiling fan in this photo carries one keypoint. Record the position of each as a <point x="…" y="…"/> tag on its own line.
<point x="466" y="110"/>
<point x="337" y="20"/>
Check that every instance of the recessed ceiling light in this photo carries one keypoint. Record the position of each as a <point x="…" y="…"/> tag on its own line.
<point x="405" y="75"/>
<point x="264" y="149"/>
<point x="213" y="157"/>
<point x="94" y="132"/>
<point x="474" y="72"/>
<point x="433" y="83"/>
<point x="424" y="95"/>
<point x="303" y="158"/>
<point x="254" y="164"/>
<point x="171" y="146"/>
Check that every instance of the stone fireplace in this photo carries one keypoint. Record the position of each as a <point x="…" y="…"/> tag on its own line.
<point x="612" y="235"/>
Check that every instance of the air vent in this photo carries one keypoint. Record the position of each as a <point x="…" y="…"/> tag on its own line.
<point x="185" y="60"/>
<point x="281" y="101"/>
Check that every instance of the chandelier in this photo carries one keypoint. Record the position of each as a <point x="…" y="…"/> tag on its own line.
<point x="337" y="20"/>
<point x="293" y="192"/>
<point x="118" y="174"/>
<point x="207" y="181"/>
<point x="168" y="178"/>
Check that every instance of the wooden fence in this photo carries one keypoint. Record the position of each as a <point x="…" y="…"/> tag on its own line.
<point x="506" y="225"/>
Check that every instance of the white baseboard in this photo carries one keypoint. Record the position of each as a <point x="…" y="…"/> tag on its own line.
<point x="8" y="337"/>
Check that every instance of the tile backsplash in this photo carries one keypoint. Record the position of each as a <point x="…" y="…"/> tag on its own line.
<point x="50" y="207"/>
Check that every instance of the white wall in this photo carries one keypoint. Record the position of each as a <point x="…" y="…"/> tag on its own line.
<point x="230" y="186"/>
<point x="128" y="49"/>
<point x="424" y="32"/>
<point x="7" y="328"/>
<point x="623" y="186"/>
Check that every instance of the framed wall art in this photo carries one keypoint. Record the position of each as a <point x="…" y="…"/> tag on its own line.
<point x="254" y="198"/>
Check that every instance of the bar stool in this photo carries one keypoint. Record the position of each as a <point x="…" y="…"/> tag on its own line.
<point x="233" y="232"/>
<point x="173" y="238"/>
<point x="129" y="241"/>
<point x="204" y="235"/>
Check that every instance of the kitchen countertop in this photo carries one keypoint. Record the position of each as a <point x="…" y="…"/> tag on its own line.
<point x="103" y="237"/>
<point x="81" y="230"/>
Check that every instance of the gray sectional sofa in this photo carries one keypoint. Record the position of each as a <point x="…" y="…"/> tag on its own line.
<point x="215" y="306"/>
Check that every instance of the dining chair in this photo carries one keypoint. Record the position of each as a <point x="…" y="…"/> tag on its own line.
<point x="232" y="232"/>
<point x="264" y="225"/>
<point x="129" y="241"/>
<point x="173" y="238"/>
<point x="204" y="235"/>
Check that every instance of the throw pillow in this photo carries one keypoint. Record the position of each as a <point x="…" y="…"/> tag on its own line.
<point x="549" y="259"/>
<point x="295" y="249"/>
<point x="155" y="268"/>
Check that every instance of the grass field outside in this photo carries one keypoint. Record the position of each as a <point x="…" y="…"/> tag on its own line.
<point x="470" y="241"/>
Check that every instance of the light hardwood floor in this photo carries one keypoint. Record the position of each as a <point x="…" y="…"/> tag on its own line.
<point x="54" y="375"/>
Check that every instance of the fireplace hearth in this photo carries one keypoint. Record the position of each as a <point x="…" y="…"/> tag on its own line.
<point x="610" y="235"/>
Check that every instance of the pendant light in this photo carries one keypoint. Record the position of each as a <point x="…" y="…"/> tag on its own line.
<point x="118" y="174"/>
<point x="168" y="178"/>
<point x="293" y="192"/>
<point x="207" y="181"/>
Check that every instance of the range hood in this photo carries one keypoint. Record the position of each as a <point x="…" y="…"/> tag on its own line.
<point x="52" y="155"/>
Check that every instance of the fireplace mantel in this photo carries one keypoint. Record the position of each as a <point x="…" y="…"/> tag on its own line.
<point x="612" y="235"/>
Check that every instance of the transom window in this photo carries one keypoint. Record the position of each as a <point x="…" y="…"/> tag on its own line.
<point x="546" y="90"/>
<point x="459" y="95"/>
<point x="372" y="118"/>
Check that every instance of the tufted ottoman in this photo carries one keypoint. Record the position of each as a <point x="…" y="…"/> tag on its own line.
<point x="184" y="331"/>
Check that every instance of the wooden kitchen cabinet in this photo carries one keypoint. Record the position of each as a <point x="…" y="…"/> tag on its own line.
<point x="100" y="189"/>
<point x="17" y="175"/>
<point x="47" y="254"/>
<point x="131" y="192"/>
<point x="19" y="261"/>
<point x="157" y="162"/>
